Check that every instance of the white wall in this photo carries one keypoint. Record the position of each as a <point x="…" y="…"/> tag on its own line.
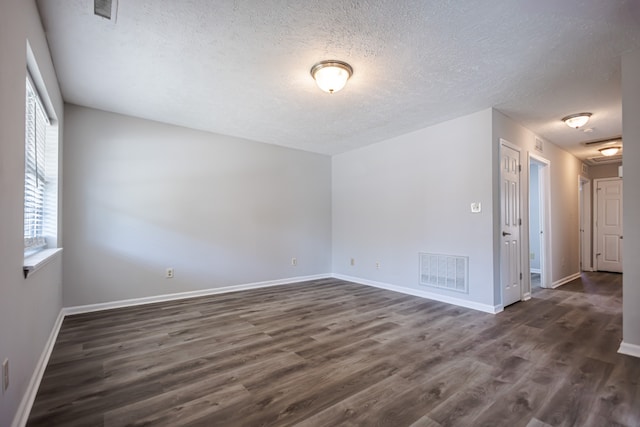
<point x="28" y="307"/>
<point x="141" y="196"/>
<point x="565" y="219"/>
<point x="631" y="160"/>
<point x="412" y="194"/>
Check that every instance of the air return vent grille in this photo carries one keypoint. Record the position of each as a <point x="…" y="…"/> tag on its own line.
<point x="445" y="272"/>
<point x="538" y="145"/>
<point x="604" y="159"/>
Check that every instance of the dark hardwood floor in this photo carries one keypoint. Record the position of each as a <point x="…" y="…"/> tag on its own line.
<point x="333" y="353"/>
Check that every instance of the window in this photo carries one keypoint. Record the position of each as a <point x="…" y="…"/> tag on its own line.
<point x="36" y="122"/>
<point x="41" y="174"/>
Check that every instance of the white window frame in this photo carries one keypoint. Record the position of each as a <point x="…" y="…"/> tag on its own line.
<point x="42" y="248"/>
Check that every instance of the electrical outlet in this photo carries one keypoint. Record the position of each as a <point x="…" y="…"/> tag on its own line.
<point x="294" y="261"/>
<point x="169" y="274"/>
<point x="5" y="375"/>
<point x="353" y="261"/>
<point x="377" y="265"/>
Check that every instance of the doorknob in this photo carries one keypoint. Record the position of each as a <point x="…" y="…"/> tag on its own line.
<point x="504" y="233"/>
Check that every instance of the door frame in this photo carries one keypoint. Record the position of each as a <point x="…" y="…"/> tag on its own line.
<point x="585" y="226"/>
<point x="596" y="219"/>
<point x="544" y="177"/>
<point x="523" y="280"/>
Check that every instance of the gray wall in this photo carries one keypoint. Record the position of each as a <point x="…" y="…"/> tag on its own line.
<point x="565" y="220"/>
<point x="28" y="307"/>
<point x="604" y="171"/>
<point x="141" y="196"/>
<point x="631" y="160"/>
<point x="412" y="194"/>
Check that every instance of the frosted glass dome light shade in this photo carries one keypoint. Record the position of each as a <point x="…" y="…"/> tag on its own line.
<point x="331" y="76"/>
<point x="577" y="120"/>
<point x="609" y="151"/>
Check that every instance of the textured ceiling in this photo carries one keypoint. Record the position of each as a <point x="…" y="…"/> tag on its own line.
<point x="241" y="67"/>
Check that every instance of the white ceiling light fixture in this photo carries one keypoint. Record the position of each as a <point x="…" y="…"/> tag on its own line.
<point x="331" y="76"/>
<point x="609" y="151"/>
<point x="577" y="120"/>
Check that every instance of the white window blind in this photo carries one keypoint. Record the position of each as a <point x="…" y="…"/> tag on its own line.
<point x="36" y="123"/>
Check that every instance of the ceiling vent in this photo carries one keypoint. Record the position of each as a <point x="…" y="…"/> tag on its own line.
<point x="603" y="142"/>
<point x="103" y="8"/>
<point x="601" y="160"/>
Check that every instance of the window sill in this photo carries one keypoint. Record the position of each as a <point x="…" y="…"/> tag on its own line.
<point x="38" y="260"/>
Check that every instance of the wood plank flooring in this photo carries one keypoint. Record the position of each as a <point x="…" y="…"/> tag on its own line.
<point x="334" y="353"/>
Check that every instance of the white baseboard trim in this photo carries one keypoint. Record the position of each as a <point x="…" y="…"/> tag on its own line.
<point x="629" y="349"/>
<point x="424" y="294"/>
<point x="190" y="294"/>
<point x="22" y="415"/>
<point x="565" y="280"/>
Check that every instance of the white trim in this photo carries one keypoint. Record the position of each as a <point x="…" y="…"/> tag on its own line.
<point x="190" y="294"/>
<point x="585" y="228"/>
<point x="629" y="349"/>
<point x="534" y="270"/>
<point x="565" y="280"/>
<point x="423" y="294"/>
<point x="22" y="415"/>
<point x="544" y="177"/>
<point x="34" y="262"/>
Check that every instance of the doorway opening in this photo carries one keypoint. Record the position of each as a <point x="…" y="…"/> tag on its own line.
<point x="585" y="224"/>
<point x="539" y="223"/>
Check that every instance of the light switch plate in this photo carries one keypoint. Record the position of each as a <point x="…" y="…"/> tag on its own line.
<point x="476" y="207"/>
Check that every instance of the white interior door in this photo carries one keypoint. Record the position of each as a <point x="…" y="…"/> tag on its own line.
<point x="511" y="273"/>
<point x="608" y="223"/>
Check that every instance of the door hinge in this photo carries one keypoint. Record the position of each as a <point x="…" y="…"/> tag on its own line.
<point x="519" y="168"/>
<point x="519" y="221"/>
<point x="520" y="276"/>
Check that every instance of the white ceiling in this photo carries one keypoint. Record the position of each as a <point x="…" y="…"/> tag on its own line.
<point x="241" y="67"/>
